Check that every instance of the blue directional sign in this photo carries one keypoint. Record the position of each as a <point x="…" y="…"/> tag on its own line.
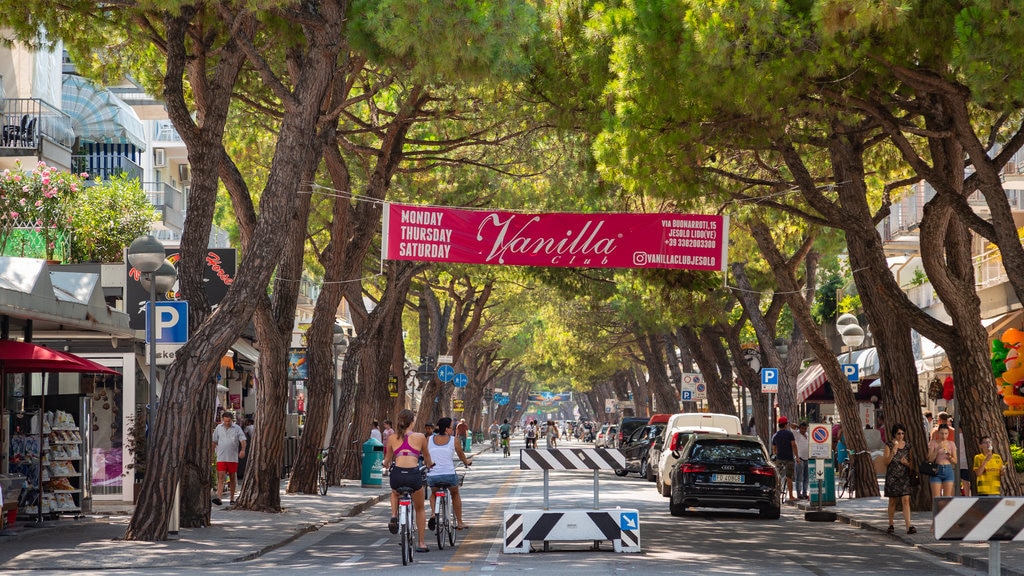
<point x="629" y="521"/>
<point x="445" y="373"/>
<point x="852" y="372"/>
<point x="461" y="380"/>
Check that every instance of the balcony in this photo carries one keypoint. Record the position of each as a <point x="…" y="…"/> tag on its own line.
<point x="168" y="200"/>
<point x="104" y="167"/>
<point x="33" y="128"/>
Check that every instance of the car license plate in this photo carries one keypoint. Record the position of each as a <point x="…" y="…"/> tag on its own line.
<point x="727" y="478"/>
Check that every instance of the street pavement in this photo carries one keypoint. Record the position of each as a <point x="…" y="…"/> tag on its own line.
<point x="95" y="542"/>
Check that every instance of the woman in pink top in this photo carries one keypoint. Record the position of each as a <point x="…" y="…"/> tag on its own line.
<point x="402" y="455"/>
<point x="942" y="451"/>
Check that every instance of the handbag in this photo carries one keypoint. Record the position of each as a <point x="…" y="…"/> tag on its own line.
<point x="928" y="468"/>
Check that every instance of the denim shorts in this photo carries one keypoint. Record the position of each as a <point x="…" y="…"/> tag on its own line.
<point x="945" y="474"/>
<point x="446" y="479"/>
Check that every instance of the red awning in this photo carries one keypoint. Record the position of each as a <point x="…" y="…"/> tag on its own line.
<point x="810" y="381"/>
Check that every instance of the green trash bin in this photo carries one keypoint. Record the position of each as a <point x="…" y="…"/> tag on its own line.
<point x="828" y="481"/>
<point x="469" y="441"/>
<point x="373" y="460"/>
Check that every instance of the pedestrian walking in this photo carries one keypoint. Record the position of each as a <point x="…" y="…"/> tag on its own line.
<point x="228" y="445"/>
<point x="803" y="442"/>
<point x="898" y="473"/>
<point x="375" y="432"/>
<point x="531" y="434"/>
<point x="988" y="466"/>
<point x="784" y="452"/>
<point x="461" y="432"/>
<point x="943" y="453"/>
<point x="387" y="432"/>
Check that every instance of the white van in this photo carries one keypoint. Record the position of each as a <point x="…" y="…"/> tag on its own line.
<point x="680" y="427"/>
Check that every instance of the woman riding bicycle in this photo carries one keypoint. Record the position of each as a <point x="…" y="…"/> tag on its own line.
<point x="443" y="448"/>
<point x="402" y="457"/>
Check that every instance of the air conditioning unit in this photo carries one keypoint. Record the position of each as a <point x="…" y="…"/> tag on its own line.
<point x="184" y="174"/>
<point x="159" y="157"/>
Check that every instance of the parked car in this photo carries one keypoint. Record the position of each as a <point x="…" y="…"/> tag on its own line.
<point x="627" y="425"/>
<point x="635" y="448"/>
<point x="677" y="439"/>
<point x="602" y="435"/>
<point x="691" y="421"/>
<point x="657" y="425"/>
<point x="725" y="471"/>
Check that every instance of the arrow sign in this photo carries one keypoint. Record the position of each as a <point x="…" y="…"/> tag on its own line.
<point x="445" y="373"/>
<point x="629" y="521"/>
<point x="461" y="380"/>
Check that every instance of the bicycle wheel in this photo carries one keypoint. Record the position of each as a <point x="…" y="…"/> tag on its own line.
<point x="405" y="541"/>
<point x="440" y="520"/>
<point x="321" y="478"/>
<point x="505" y="450"/>
<point x="450" y="522"/>
<point x="844" y="479"/>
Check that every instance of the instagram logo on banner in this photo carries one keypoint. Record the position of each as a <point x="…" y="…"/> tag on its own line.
<point x="639" y="258"/>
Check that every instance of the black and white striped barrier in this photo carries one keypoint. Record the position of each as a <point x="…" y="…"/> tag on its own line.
<point x="621" y="526"/>
<point x="983" y="519"/>
<point x="572" y="459"/>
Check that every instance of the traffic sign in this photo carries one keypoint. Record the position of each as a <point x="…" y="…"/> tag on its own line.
<point x="820" y="441"/>
<point x="686" y="395"/>
<point x="852" y="372"/>
<point x="701" y="393"/>
<point x="171" y="322"/>
<point x="445" y="373"/>
<point x="770" y="380"/>
<point x="461" y="380"/>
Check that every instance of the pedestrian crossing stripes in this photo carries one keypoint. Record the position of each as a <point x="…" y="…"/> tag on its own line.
<point x="979" y="519"/>
<point x="572" y="459"/>
<point x="525" y="526"/>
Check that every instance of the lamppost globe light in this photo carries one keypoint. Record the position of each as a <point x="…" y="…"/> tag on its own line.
<point x="852" y="335"/>
<point x="165" y="276"/>
<point x="146" y="254"/>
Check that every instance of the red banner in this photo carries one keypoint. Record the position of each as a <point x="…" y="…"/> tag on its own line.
<point x="604" y="240"/>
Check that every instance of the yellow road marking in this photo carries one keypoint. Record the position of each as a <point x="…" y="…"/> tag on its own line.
<point x="472" y="542"/>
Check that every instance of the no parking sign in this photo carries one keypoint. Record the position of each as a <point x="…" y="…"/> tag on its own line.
<point x="820" y="441"/>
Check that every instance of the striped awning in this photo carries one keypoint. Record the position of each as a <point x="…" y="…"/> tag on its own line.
<point x="97" y="115"/>
<point x="813" y="378"/>
<point x="809" y="382"/>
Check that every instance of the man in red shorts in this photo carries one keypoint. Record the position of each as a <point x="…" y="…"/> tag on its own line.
<point x="229" y="445"/>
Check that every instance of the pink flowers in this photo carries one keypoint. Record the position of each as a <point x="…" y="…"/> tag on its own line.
<point x="36" y="200"/>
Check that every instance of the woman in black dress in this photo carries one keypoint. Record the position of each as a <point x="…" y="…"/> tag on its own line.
<point x="897" y="475"/>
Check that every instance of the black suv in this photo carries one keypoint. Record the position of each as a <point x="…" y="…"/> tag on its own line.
<point x="627" y="426"/>
<point x="719" y="471"/>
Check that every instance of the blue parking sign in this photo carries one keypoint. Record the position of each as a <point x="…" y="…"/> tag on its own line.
<point x="171" y="322"/>
<point x="770" y="380"/>
<point x="852" y="372"/>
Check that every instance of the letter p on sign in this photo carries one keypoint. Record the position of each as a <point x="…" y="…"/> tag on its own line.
<point x="170" y="323"/>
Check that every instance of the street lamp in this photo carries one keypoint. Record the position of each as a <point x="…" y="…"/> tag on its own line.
<point x="852" y="335"/>
<point x="147" y="255"/>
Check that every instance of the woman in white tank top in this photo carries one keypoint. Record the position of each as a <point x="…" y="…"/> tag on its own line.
<point x="443" y="449"/>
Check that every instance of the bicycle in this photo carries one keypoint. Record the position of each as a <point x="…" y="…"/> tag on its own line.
<point x="847" y="476"/>
<point x="445" y="523"/>
<point x="494" y="442"/>
<point x="504" y="447"/>
<point x="406" y="524"/>
<point x="321" y="472"/>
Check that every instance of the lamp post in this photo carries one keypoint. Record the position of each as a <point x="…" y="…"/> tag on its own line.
<point x="147" y="255"/>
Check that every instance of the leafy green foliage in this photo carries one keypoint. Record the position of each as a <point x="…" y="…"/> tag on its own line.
<point x="106" y="217"/>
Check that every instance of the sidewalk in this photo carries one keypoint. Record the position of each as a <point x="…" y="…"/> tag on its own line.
<point x="94" y="542"/>
<point x="871" y="514"/>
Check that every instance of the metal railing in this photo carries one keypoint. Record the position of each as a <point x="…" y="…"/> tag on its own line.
<point x="988" y="269"/>
<point x="27" y="121"/>
<point x="104" y="167"/>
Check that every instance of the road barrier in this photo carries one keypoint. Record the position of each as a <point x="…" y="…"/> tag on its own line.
<point x="620" y="526"/>
<point x="982" y="519"/>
